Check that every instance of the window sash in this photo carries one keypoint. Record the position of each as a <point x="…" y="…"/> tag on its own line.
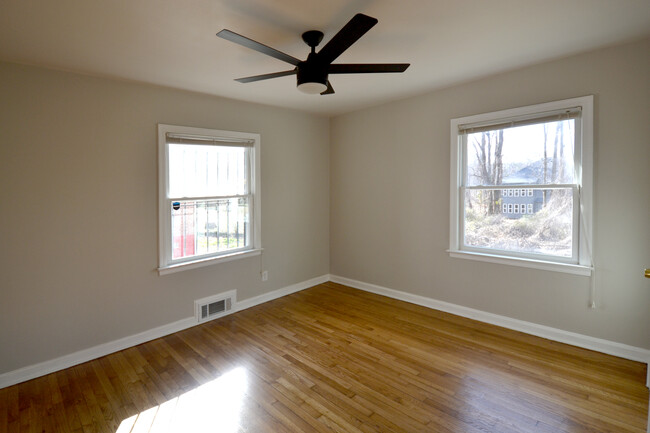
<point x="196" y="257"/>
<point x="575" y="241"/>
<point x="247" y="169"/>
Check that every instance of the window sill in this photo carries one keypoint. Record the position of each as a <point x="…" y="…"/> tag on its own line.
<point x="164" y="270"/>
<point x="526" y="263"/>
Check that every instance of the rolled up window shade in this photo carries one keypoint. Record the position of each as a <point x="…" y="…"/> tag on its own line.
<point x="207" y="140"/>
<point x="532" y="119"/>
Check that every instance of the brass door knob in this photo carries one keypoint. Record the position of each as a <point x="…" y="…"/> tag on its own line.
<point x="647" y="273"/>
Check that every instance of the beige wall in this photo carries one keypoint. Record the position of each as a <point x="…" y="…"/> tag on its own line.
<point x="390" y="197"/>
<point x="78" y="209"/>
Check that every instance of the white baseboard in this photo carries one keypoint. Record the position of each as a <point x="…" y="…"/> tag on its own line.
<point x="572" y="338"/>
<point x="251" y="302"/>
<point x="66" y="361"/>
<point x="584" y="341"/>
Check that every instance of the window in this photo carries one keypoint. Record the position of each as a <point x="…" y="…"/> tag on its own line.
<point x="546" y="148"/>
<point x="209" y="196"/>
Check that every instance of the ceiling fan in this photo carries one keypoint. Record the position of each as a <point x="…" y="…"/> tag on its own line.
<point x="313" y="73"/>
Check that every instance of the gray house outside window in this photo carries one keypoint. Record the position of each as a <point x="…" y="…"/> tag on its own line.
<point x="522" y="201"/>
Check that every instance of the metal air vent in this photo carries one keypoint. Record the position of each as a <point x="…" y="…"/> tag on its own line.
<point x="215" y="306"/>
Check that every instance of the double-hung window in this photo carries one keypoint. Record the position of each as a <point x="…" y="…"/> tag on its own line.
<point x="209" y="196"/>
<point x="521" y="186"/>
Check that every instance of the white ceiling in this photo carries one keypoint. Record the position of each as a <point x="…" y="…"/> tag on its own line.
<point x="173" y="43"/>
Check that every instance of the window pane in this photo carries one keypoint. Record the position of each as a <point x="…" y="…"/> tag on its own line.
<point x="209" y="226"/>
<point x="531" y="154"/>
<point x="545" y="229"/>
<point x="204" y="171"/>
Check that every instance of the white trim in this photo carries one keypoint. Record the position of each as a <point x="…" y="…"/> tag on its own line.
<point x="592" y="343"/>
<point x="568" y="268"/>
<point x="582" y="237"/>
<point x="165" y="262"/>
<point x="85" y="355"/>
<point x="579" y="340"/>
<point x="207" y="262"/>
<point x="65" y="361"/>
<point x="260" y="299"/>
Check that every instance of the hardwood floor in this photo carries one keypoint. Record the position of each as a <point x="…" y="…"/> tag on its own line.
<point x="332" y="358"/>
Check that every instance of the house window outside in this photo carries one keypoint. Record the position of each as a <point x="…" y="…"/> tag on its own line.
<point x="534" y="162"/>
<point x="209" y="196"/>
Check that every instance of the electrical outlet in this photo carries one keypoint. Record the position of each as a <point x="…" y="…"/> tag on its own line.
<point x="265" y="275"/>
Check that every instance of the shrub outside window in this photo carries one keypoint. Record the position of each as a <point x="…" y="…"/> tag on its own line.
<point x="534" y="162"/>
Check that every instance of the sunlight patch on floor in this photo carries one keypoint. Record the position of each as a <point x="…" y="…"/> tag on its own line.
<point x="214" y="406"/>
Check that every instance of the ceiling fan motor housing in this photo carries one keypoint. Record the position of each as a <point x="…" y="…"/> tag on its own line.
<point x="312" y="71"/>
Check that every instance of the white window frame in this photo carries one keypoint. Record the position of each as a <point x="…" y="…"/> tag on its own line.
<point x="583" y="197"/>
<point x="166" y="263"/>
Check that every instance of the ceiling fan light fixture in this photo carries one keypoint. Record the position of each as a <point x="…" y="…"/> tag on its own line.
<point x="312" y="88"/>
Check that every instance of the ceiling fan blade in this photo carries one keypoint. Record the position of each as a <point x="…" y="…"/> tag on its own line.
<point x="365" y="68"/>
<point x="348" y="35"/>
<point x="254" y="45"/>
<point x="265" y="76"/>
<point x="329" y="89"/>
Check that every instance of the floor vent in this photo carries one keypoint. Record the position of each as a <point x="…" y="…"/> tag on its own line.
<point x="215" y="306"/>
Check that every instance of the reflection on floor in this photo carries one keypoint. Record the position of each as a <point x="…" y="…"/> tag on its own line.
<point x="214" y="406"/>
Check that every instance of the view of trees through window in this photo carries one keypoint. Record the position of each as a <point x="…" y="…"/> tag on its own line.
<point x="520" y="185"/>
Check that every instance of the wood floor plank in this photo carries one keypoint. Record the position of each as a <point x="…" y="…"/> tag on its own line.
<point x="336" y="359"/>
